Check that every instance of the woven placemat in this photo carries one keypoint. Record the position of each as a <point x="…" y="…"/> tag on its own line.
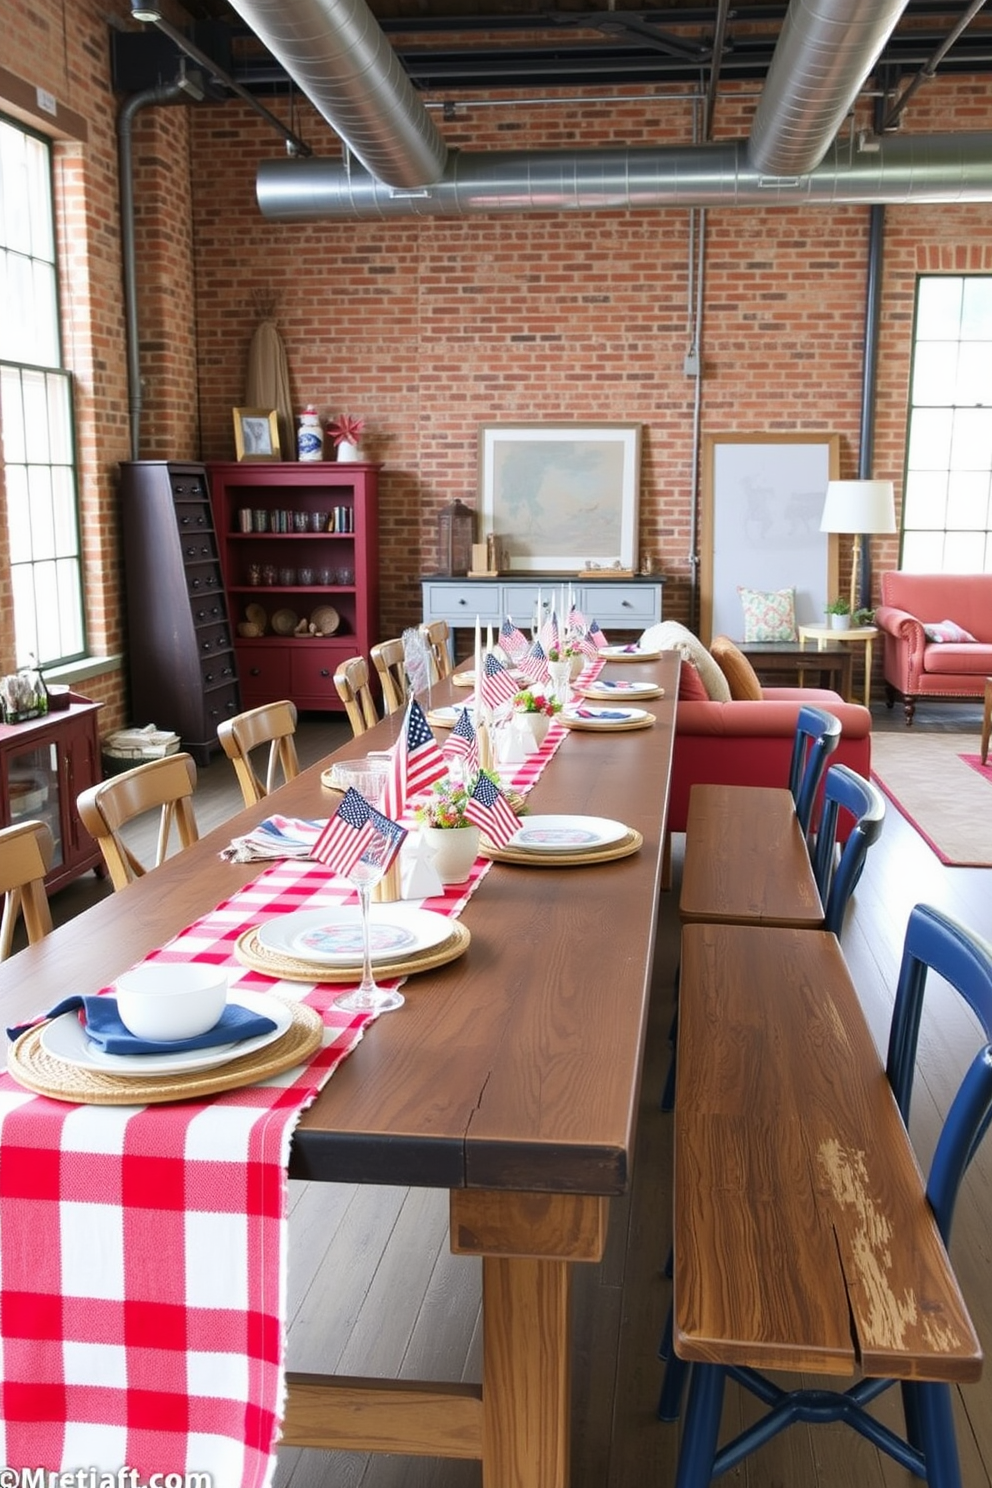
<point x="618" y="696"/>
<point x="250" y="952"/>
<point x="46" y="1074"/>
<point x="608" y="726"/>
<point x="630" y="656"/>
<point x="632" y="843"/>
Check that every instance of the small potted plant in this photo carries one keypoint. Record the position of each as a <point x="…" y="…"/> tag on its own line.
<point x="453" y="839"/>
<point x="839" y="610"/>
<point x="863" y="617"/>
<point x="345" y="432"/>
<point x="534" y="711"/>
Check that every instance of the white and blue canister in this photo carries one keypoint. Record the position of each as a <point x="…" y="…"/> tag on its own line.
<point x="310" y="436"/>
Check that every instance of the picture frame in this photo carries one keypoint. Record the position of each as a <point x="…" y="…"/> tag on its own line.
<point x="762" y="500"/>
<point x="256" y="434"/>
<point x="561" y="497"/>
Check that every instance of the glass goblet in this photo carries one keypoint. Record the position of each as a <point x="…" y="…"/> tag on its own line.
<point x="369" y="778"/>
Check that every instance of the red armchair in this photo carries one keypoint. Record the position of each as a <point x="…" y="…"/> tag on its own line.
<point x="917" y="667"/>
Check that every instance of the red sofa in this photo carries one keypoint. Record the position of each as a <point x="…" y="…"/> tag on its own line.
<point x="916" y="667"/>
<point x="750" y="743"/>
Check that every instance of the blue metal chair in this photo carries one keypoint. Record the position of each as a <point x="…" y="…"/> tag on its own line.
<point x="933" y="942"/>
<point x="817" y="736"/>
<point x="836" y="878"/>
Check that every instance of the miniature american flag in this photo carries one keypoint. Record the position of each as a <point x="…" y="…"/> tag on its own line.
<point x="596" y="636"/>
<point x="462" y="743"/>
<point x="347" y="834"/>
<point x="416" y="759"/>
<point x="489" y="809"/>
<point x="548" y="637"/>
<point x="535" y="664"/>
<point x="576" y="619"/>
<point x="497" y="684"/>
<point x="513" y="640"/>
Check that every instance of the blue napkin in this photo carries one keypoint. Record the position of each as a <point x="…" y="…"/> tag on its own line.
<point x="105" y="1029"/>
<point x="601" y="713"/>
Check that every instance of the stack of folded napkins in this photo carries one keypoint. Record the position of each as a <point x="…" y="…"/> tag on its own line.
<point x="276" y="837"/>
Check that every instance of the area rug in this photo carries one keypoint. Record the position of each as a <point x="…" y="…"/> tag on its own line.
<point x="940" y="785"/>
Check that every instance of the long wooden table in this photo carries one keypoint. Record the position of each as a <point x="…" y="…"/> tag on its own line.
<point x="510" y="1077"/>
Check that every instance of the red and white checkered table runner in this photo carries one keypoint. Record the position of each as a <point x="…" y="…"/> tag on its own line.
<point x="143" y="1249"/>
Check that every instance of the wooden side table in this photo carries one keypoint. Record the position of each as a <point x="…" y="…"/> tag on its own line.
<point x="790" y="659"/>
<point x="825" y="635"/>
<point x="987" y="719"/>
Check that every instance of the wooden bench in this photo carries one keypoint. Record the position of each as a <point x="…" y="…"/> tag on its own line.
<point x="803" y="1239"/>
<point x="746" y="859"/>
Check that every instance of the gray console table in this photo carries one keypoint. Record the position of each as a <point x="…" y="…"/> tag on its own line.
<point x="618" y="605"/>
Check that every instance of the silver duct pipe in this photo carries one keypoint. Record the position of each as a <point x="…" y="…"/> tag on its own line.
<point x="336" y="52"/>
<point x="888" y="170"/>
<point x="825" y="50"/>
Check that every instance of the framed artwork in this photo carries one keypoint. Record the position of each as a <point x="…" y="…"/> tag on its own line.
<point x="256" y="434"/>
<point x="762" y="499"/>
<point x="561" y="497"/>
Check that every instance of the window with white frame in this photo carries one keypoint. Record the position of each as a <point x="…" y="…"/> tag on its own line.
<point x="36" y="412"/>
<point x="947" y="501"/>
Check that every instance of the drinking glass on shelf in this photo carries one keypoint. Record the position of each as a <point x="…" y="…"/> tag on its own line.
<point x="368" y="777"/>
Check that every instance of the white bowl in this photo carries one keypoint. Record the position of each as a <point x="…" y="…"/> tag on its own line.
<point x="166" y="1002"/>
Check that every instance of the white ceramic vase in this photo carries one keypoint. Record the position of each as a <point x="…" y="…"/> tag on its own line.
<point x="348" y="453"/>
<point x="536" y="724"/>
<point x="455" y="849"/>
<point x="575" y="664"/>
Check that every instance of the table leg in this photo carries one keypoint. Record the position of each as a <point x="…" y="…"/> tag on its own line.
<point x="868" y="646"/>
<point x="526" y="1373"/>
<point x="987" y="719"/>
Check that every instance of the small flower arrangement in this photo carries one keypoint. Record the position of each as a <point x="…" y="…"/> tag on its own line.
<point x="564" y="652"/>
<point x="529" y="701"/>
<point x="345" y="429"/>
<point x="445" y="806"/>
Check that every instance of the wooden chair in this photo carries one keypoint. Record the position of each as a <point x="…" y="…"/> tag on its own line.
<point x="104" y="809"/>
<point x="388" y="660"/>
<point x="438" y="637"/>
<point x="273" y="724"/>
<point x="26" y="851"/>
<point x="933" y="942"/>
<point x="352" y="683"/>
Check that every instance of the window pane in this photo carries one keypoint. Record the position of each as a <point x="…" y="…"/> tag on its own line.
<point x="976" y="313"/>
<point x="42" y="524"/>
<point x="968" y="501"/>
<point x="922" y="553"/>
<point x="22" y="584"/>
<point x="938" y="308"/>
<point x="925" y="500"/>
<point x="935" y="369"/>
<point x="36" y="415"/>
<point x="70" y="607"/>
<point x="18" y="514"/>
<point x="959" y="552"/>
<point x="974" y="374"/>
<point x="971" y="443"/>
<point x="930" y="439"/>
<point x="13" y="415"/>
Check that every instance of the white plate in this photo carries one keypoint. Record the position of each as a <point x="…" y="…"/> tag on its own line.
<point x="333" y="936"/>
<point x="66" y="1038"/>
<point x="590" y="714"/>
<point x="450" y="713"/>
<point x="621" y="689"/>
<point x="624" y="653"/>
<point x="565" y="834"/>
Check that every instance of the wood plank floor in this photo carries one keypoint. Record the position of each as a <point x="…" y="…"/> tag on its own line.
<point x="373" y="1289"/>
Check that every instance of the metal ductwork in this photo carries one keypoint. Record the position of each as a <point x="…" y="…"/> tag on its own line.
<point x="889" y="170"/>
<point x="825" y="51"/>
<point x="336" y="52"/>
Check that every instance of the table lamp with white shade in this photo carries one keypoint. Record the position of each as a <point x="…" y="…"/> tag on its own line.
<point x="856" y="507"/>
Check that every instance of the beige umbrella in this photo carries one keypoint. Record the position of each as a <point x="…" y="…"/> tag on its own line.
<point x="268" y="383"/>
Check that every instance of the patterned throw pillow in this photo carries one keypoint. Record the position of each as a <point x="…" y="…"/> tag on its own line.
<point x="740" y="674"/>
<point x="669" y="635"/>
<point x="946" y="630"/>
<point x="769" y="615"/>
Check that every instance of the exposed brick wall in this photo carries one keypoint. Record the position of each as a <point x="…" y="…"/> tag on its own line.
<point x="431" y="328"/>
